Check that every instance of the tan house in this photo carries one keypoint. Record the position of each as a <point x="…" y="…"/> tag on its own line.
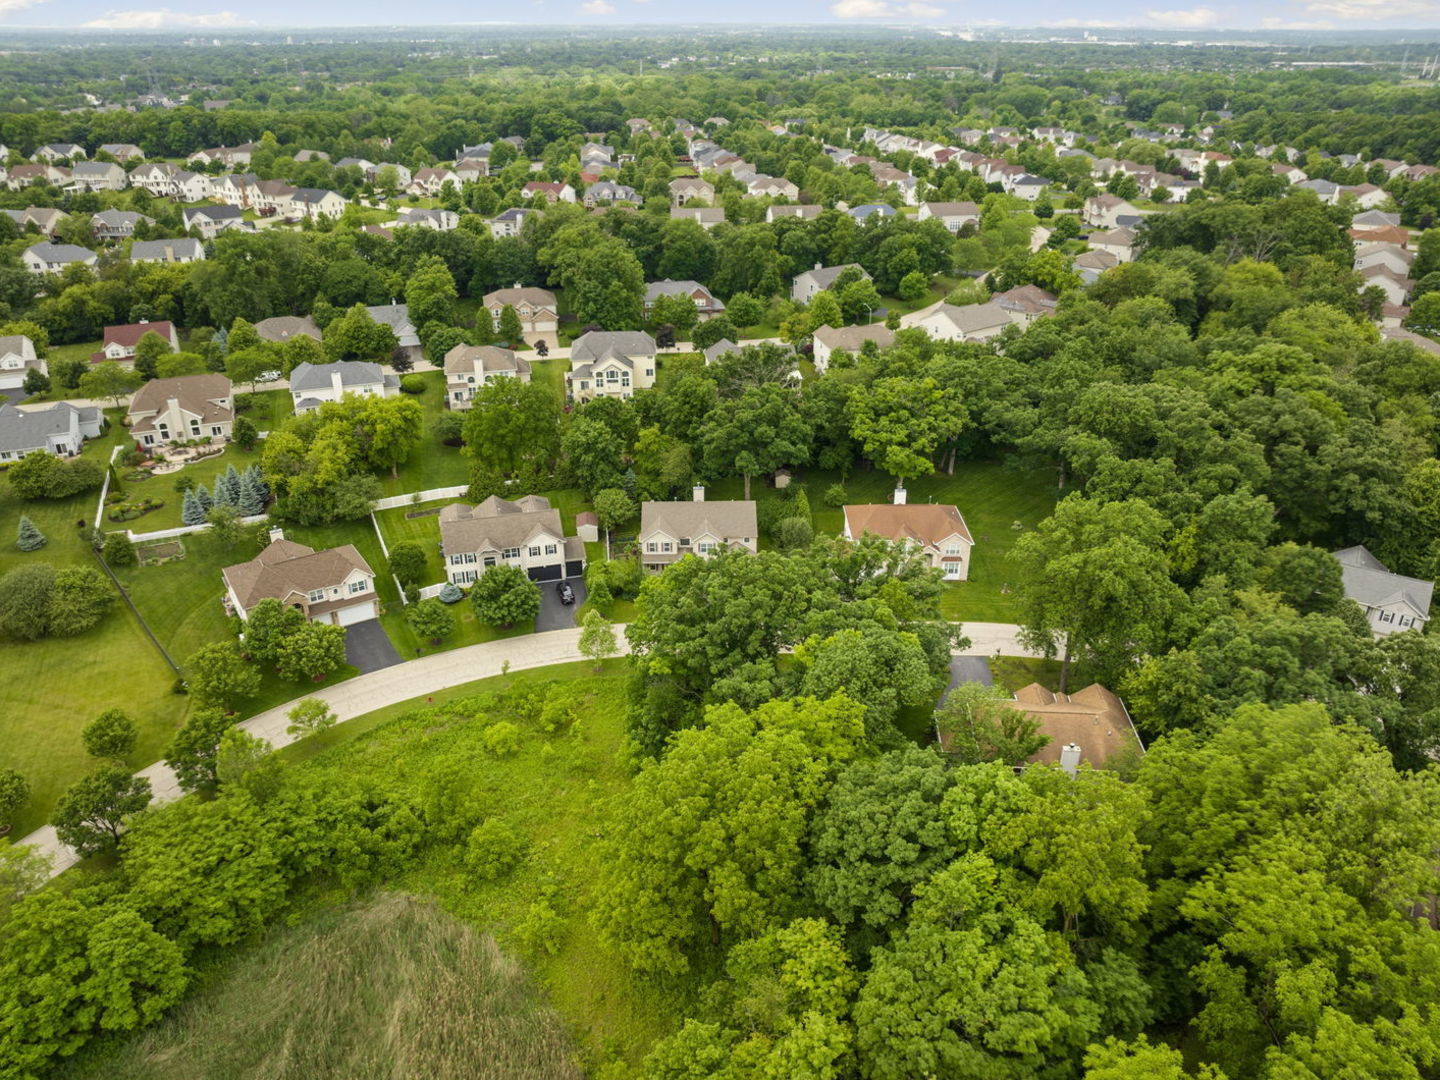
<point x="610" y="363"/>
<point x="707" y="304"/>
<point x="469" y="367"/>
<point x="1089" y="727"/>
<point x="120" y="342"/>
<point x="958" y="322"/>
<point x="335" y="586"/>
<point x="827" y="339"/>
<point x="1119" y="242"/>
<point x="1104" y="211"/>
<point x="1025" y="303"/>
<point x="953" y="215"/>
<point x="804" y="286"/>
<point x="185" y="407"/>
<point x="539" y="313"/>
<point x="671" y="530"/>
<point x="282" y="328"/>
<point x="707" y="217"/>
<point x="939" y="532"/>
<point x="525" y="532"/>
<point x="689" y="189"/>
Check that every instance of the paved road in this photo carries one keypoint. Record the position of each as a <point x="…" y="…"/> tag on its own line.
<point x="414" y="678"/>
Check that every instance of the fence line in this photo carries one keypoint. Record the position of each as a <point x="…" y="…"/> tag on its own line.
<point x="105" y="487"/>
<point x="392" y="502"/>
<point x="186" y="530"/>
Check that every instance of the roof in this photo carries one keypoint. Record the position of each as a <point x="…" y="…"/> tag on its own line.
<point x="196" y="393"/>
<point x="953" y="209"/>
<point x="850" y="338"/>
<point x="1093" y="719"/>
<point x="927" y="523"/>
<point x="59" y="253"/>
<point x="1420" y="341"/>
<point x="656" y="289"/>
<point x="521" y="294"/>
<point x="129" y="336"/>
<point x="723" y="347"/>
<point x="701" y="214"/>
<point x="16" y="343"/>
<point x="1370" y="583"/>
<point x="467" y="359"/>
<point x="723" y="519"/>
<point x="31" y="429"/>
<point x="497" y="524"/>
<point x="184" y="247"/>
<point x="1364" y="251"/>
<point x="215" y="213"/>
<point x="1385" y="234"/>
<point x="285" y="327"/>
<point x="116" y="218"/>
<point x="1375" y="217"/>
<point x="1030" y="299"/>
<point x="595" y="345"/>
<point x="286" y="567"/>
<point x="1113" y="237"/>
<point x="806" y="211"/>
<point x="824" y="276"/>
<point x="966" y="318"/>
<point x="395" y="316"/>
<point x="307" y="376"/>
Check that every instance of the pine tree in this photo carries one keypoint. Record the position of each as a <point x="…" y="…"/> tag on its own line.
<point x="231" y="483"/>
<point x="204" y="498"/>
<point x="222" y="494"/>
<point x="28" y="537"/>
<point x="251" y="502"/>
<point x="192" y="512"/>
<point x="260" y="484"/>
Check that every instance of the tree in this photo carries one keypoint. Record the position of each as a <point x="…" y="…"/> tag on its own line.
<point x="91" y="814"/>
<point x="431" y="620"/>
<point x="225" y="525"/>
<point x="594" y="453"/>
<point x="597" y="638"/>
<point x="510" y="331"/>
<point x="613" y="507"/>
<point x="247" y="365"/>
<point x="407" y="562"/>
<point x="357" y="336"/>
<point x="192" y="752"/>
<point x="760" y="432"/>
<point x="82" y="597"/>
<point x="148" y="352"/>
<point x="1424" y="317"/>
<point x="513" y="428"/>
<point x="310" y="716"/>
<point x="110" y="380"/>
<point x="430" y="293"/>
<point x="248" y="761"/>
<point x="312" y="651"/>
<point x="118" y="550"/>
<point x="28" y="537"/>
<point x="245" y="434"/>
<point x="675" y="311"/>
<point x="504" y="596"/>
<point x="913" y="286"/>
<point x="14" y="791"/>
<point x="900" y="423"/>
<point x="979" y="724"/>
<point x="25" y="597"/>
<point x="393" y="429"/>
<point x="111" y="735"/>
<point x="36" y="382"/>
<point x="884" y="670"/>
<point x="745" y="310"/>
<point x="267" y="626"/>
<point x="217" y="674"/>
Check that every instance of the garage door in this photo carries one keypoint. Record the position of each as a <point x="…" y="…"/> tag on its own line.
<point x="575" y="568"/>
<point x="359" y="613"/>
<point x="545" y="573"/>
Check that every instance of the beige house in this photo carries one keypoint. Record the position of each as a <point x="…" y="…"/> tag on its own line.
<point x="185" y="407"/>
<point x="707" y="304"/>
<point x="539" y="313"/>
<point x="1025" y="303"/>
<point x="689" y="189"/>
<point x="610" y="363"/>
<point x="1087" y="727"/>
<point x="804" y="286"/>
<point x="953" y="215"/>
<point x="120" y="342"/>
<point x="18" y="359"/>
<point x="469" y="367"/>
<point x="311" y="385"/>
<point x="939" y="532"/>
<point x="1104" y="211"/>
<point x="851" y="339"/>
<point x="335" y="586"/>
<point x="707" y="217"/>
<point x="958" y="322"/>
<point x="1119" y="242"/>
<point x="671" y="530"/>
<point x="525" y="532"/>
<point x="282" y="328"/>
<point x="1391" y="602"/>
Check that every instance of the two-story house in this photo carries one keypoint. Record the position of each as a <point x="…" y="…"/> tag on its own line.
<point x="707" y="217"/>
<point x="311" y="385"/>
<point x="469" y="367"/>
<point x="690" y="189"/>
<point x="210" y="221"/>
<point x="526" y="532"/>
<point x="117" y="224"/>
<point x="397" y="317"/>
<point x="1104" y="211"/>
<point x="806" y="285"/>
<point x="58" y="429"/>
<point x="282" y="328"/>
<point x="538" y="311"/>
<point x="183" y="249"/>
<point x="510" y="222"/>
<point x="48" y="258"/>
<point x="335" y="586"/>
<point x="122" y="152"/>
<point x="185" y="407"/>
<point x="937" y="531"/>
<point x="1391" y="602"/>
<point x="18" y="359"/>
<point x="827" y="340"/>
<point x="953" y="215"/>
<point x="553" y="190"/>
<point x="958" y="322"/>
<point x="707" y="304"/>
<point x="671" y="530"/>
<point x="609" y="192"/>
<point x="157" y="179"/>
<point x="610" y="363"/>
<point x="120" y="342"/>
<point x="96" y="176"/>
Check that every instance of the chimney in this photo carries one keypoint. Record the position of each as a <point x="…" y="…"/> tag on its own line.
<point x="277" y="534"/>
<point x="900" y="495"/>
<point x="819" y="266"/>
<point x="698" y="494"/>
<point x="337" y="383"/>
<point x="517" y="284"/>
<point x="1070" y="758"/>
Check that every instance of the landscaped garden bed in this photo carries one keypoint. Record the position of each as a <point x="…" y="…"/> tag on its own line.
<point x="166" y="551"/>
<point x="129" y="511"/>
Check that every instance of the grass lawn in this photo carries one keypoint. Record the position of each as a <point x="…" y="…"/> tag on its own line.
<point x="163" y="487"/>
<point x="433" y="464"/>
<point x="265" y="408"/>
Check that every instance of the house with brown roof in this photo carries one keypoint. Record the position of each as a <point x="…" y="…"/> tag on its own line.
<point x="935" y="530"/>
<point x="539" y="313"/>
<point x="688" y="189"/>
<point x="671" y="530"/>
<point x="1025" y="303"/>
<point x="827" y="339"/>
<point x="120" y="342"/>
<point x="525" y="532"/>
<point x="282" y="328"/>
<point x="469" y="367"/>
<point x="335" y="586"/>
<point x="1088" y="727"/>
<point x="185" y="407"/>
<point x="553" y="190"/>
<point x="707" y="304"/>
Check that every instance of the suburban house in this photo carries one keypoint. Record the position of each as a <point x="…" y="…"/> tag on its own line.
<point x="421" y="218"/>
<point x="397" y="317"/>
<point x="282" y="328"/>
<point x="121" y="152"/>
<point x="538" y="311"/>
<point x="313" y="203"/>
<point x="804" y="212"/>
<point x="17" y="359"/>
<point x="468" y="367"/>
<point x="24" y="175"/>
<point x="526" y="532"/>
<point x="48" y="258"/>
<point x="192" y="186"/>
<point x="225" y="155"/>
<point x="1091" y="264"/>
<point x="721" y="349"/>
<point x="775" y="187"/>
<point x="1118" y="242"/>
<point x="96" y="176"/>
<point x="58" y="429"/>
<point x="120" y="341"/>
<point x="1025" y="303"/>
<point x="157" y="178"/>
<point x="1420" y="341"/>
<point x="953" y="215"/>
<point x="47" y="220"/>
<point x="689" y="189"/>
<point x="937" y="531"/>
<point x="1396" y="259"/>
<point x="610" y="363"/>
<point x="1087" y="727"/>
<point x="707" y="217"/>
<point x="1104" y="211"/>
<point x="510" y="222"/>
<point x="706" y="303"/>
<point x="185" y="407"/>
<point x="850" y="339"/>
<point x="607" y="191"/>
<point x="553" y="190"/>
<point x="184" y="249"/>
<point x="671" y="530"/>
<point x="1391" y="602"/>
<point x="313" y="384"/>
<point x="1395" y="286"/>
<point x="53" y="152"/>
<point x="1374" y="219"/>
<point x="1393" y="235"/>
<point x="335" y="586"/>
<point x="212" y="220"/>
<point x="958" y="322"/>
<point x="805" y="285"/>
<point x="116" y="224"/>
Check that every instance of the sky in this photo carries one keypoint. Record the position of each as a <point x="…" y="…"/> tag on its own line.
<point x="1077" y="15"/>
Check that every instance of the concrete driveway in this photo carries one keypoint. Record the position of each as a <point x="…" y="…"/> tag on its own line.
<point x="368" y="647"/>
<point x="553" y="614"/>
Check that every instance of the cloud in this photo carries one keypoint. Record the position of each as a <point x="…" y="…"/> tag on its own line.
<point x="162" y="18"/>
<point x="1190" y="20"/>
<point x="884" y="9"/>
<point x="1272" y="23"/>
<point x="598" y="7"/>
<point x="1374" y="9"/>
<point x="17" y="5"/>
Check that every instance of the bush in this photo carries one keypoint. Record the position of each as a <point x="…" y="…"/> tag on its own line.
<point x="505" y="596"/>
<point x="541" y="929"/>
<point x="118" y="550"/>
<point x="835" y="496"/>
<point x="14" y="790"/>
<point x="502" y="739"/>
<point x="39" y="601"/>
<point x="110" y="736"/>
<point x="495" y="848"/>
<point x="407" y="562"/>
<point x="412" y="384"/>
<point x="794" y="533"/>
<point x="451" y="593"/>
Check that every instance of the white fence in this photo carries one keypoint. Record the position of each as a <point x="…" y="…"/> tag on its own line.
<point x="391" y="502"/>
<point x="185" y="530"/>
<point x="428" y="591"/>
<point x="105" y="487"/>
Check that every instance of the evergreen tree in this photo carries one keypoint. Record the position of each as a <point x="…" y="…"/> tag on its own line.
<point x="259" y="478"/>
<point x="204" y="498"/>
<point x="28" y="537"/>
<point x="222" y="494"/>
<point x="231" y="483"/>
<point x="251" y="501"/>
<point x="192" y="511"/>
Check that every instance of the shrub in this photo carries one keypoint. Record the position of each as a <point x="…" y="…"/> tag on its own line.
<point x="835" y="496"/>
<point x="412" y="384"/>
<point x="14" y="790"/>
<point x="407" y="562"/>
<point x="505" y="596"/>
<point x="794" y="533"/>
<point x="501" y="739"/>
<point x="542" y="928"/>
<point x="28" y="536"/>
<point x="495" y="848"/>
<point x="110" y="736"/>
<point x="118" y="550"/>
<point x="451" y="593"/>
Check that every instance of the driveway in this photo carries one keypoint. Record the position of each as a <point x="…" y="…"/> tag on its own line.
<point x="368" y="647"/>
<point x="965" y="669"/>
<point x="553" y="614"/>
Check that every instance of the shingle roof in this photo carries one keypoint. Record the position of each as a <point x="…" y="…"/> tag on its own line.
<point x="30" y="429"/>
<point x="196" y="394"/>
<point x="285" y="327"/>
<point x="928" y="523"/>
<point x="1369" y="582"/>
<point x="726" y="519"/>
<point x="824" y="276"/>
<point x="307" y="376"/>
<point x="467" y="359"/>
<point x="851" y="338"/>
<point x="497" y="523"/>
<point x="184" y="247"/>
<point x="286" y="567"/>
<point x="521" y="294"/>
<point x="60" y="253"/>
<point x="599" y="343"/>
<point x="129" y="336"/>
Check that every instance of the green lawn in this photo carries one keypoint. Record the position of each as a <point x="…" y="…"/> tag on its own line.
<point x="266" y="409"/>
<point x="433" y="464"/>
<point x="163" y="487"/>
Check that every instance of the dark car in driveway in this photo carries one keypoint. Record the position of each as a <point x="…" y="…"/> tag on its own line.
<point x="565" y="592"/>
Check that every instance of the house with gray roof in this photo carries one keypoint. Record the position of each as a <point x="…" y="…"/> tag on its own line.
<point x="18" y="359"/>
<point x="59" y="429"/>
<point x="282" y="328"/>
<point x="610" y="363"/>
<point x="96" y="176"/>
<point x="722" y="348"/>
<point x="117" y="224"/>
<point x="122" y="152"/>
<point x="183" y="249"/>
<point x="607" y="191"/>
<point x="707" y="217"/>
<point x="707" y="304"/>
<point x="806" y="285"/>
<point x="62" y="151"/>
<point x="311" y="385"/>
<point x="48" y="258"/>
<point x="866" y="210"/>
<point x="671" y="530"/>
<point x="526" y="532"/>
<point x="1391" y="602"/>
<point x="211" y="220"/>
<point x="397" y="317"/>
<point x="828" y="339"/>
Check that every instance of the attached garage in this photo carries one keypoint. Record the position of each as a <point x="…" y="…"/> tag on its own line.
<point x="545" y="573"/>
<point x="357" y="613"/>
<point x="575" y="568"/>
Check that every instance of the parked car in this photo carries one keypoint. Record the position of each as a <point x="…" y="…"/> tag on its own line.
<point x="565" y="592"/>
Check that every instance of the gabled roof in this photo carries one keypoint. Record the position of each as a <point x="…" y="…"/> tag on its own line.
<point x="1370" y="583"/>
<point x="724" y="519"/>
<point x="286" y="567"/>
<point x="521" y="294"/>
<point x="116" y="218"/>
<point x="723" y="347"/>
<point x="31" y="429"/>
<point x="60" y="253"/>
<point x="184" y="247"/>
<point x="197" y="394"/>
<point x="1030" y="299"/>
<point x="284" y="327"/>
<point x="598" y="344"/>
<point x="129" y="336"/>
<point x="497" y="524"/>
<point x="824" y="276"/>
<point x="307" y="376"/>
<point x="470" y="359"/>
<point x="851" y="338"/>
<point x="965" y="318"/>
<point x="925" y="523"/>
<point x="656" y="289"/>
<point x="952" y="209"/>
<point x="1093" y="719"/>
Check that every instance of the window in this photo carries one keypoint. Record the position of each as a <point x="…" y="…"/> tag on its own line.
<point x="359" y="586"/>
<point x="217" y="430"/>
<point x="684" y="541"/>
<point x="667" y="546"/>
<point x="650" y="372"/>
<point x="1387" y="616"/>
<point x="535" y="552"/>
<point x="705" y="547"/>
<point x="550" y="549"/>
<point x="464" y="577"/>
<point x="468" y="557"/>
<point x="510" y="553"/>
<point x="489" y="560"/>
<point x="652" y="547"/>
<point x="316" y="595"/>
<point x="952" y="549"/>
